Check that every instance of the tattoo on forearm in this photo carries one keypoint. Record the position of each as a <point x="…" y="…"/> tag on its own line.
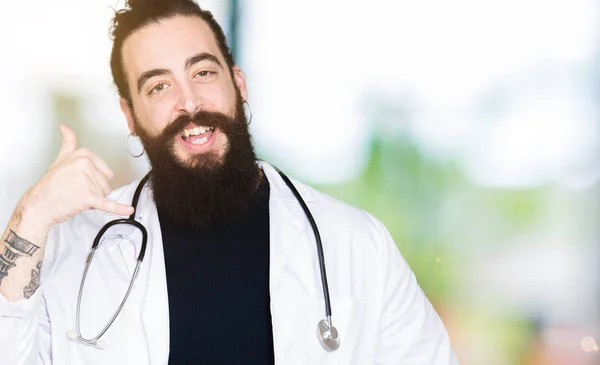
<point x="15" y="247"/>
<point x="34" y="284"/>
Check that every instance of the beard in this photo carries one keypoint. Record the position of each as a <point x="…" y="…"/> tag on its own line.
<point x="207" y="188"/>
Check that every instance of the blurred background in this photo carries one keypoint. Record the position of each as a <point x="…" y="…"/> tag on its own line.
<point x="470" y="128"/>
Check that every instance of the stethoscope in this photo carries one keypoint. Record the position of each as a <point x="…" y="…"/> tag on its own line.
<point x="326" y="333"/>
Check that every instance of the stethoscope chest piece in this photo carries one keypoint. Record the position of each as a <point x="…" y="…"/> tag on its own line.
<point x="328" y="336"/>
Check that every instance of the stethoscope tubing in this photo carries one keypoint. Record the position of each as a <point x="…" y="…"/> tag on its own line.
<point x="319" y="243"/>
<point x="94" y="341"/>
<point x="326" y="332"/>
<point x="130" y="221"/>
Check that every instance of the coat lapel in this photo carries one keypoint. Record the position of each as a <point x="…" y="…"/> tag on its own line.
<point x="152" y="279"/>
<point x="292" y="280"/>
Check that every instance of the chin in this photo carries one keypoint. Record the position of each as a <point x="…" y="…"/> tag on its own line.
<point x="212" y="158"/>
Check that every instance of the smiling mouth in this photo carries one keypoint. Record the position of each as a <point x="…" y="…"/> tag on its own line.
<point x="198" y="135"/>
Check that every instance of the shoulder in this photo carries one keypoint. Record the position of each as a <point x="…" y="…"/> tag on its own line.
<point x="356" y="244"/>
<point x="344" y="216"/>
<point x="347" y="227"/>
<point x="336" y="219"/>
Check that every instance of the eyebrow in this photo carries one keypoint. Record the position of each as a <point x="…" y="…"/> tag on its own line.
<point x="150" y="74"/>
<point x="202" y="57"/>
<point x="188" y="63"/>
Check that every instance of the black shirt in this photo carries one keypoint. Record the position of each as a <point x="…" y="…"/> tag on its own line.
<point x="218" y="287"/>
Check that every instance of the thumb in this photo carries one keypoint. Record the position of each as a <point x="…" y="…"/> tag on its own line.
<point x="69" y="141"/>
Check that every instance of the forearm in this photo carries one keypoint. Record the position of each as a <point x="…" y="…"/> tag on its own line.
<point x="21" y="254"/>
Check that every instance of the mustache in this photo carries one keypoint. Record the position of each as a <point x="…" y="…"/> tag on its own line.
<point x="201" y="118"/>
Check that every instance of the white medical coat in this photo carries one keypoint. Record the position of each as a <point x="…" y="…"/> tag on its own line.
<point x="381" y="314"/>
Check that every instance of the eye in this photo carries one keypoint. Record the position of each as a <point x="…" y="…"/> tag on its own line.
<point x="205" y="73"/>
<point x="159" y="88"/>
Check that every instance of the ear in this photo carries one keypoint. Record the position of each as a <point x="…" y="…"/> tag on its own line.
<point x="128" y="115"/>
<point x="240" y="81"/>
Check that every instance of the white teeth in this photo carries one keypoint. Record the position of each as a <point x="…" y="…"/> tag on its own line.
<point x="200" y="140"/>
<point x="196" y="131"/>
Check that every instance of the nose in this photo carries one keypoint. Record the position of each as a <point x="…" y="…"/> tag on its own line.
<point x="189" y="102"/>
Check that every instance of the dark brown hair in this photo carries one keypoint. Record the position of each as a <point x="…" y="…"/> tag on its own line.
<point x="140" y="13"/>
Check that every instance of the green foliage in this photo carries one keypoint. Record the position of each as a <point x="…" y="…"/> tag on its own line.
<point x="434" y="213"/>
<point x="406" y="190"/>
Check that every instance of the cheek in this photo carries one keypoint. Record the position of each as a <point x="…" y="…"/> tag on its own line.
<point x="157" y="116"/>
<point x="223" y="142"/>
<point x="221" y="98"/>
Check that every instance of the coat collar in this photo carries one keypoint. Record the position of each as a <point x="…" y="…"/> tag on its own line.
<point x="287" y="221"/>
<point x="280" y="189"/>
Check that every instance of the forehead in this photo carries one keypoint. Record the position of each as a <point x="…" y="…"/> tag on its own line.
<point x="167" y="44"/>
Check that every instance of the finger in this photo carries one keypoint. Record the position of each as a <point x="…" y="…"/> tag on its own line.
<point x="111" y="207"/>
<point x="69" y="141"/>
<point x="101" y="186"/>
<point x="99" y="163"/>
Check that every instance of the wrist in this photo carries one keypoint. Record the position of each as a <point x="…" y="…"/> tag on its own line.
<point x="29" y="223"/>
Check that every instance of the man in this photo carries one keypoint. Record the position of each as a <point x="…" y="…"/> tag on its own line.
<point x="231" y="273"/>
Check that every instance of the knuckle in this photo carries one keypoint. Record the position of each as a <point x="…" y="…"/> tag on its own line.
<point x="85" y="151"/>
<point x="83" y="163"/>
<point x="104" y="188"/>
